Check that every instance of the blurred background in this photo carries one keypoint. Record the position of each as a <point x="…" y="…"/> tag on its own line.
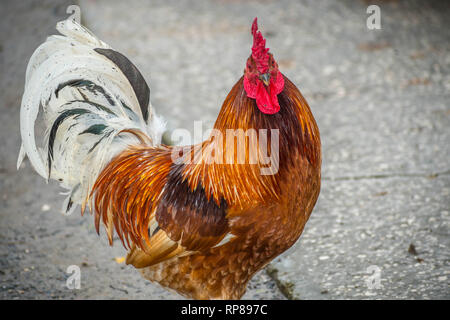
<point x="381" y="97"/>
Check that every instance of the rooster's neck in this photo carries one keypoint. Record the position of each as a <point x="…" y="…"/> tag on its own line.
<point x="298" y="131"/>
<point x="224" y="176"/>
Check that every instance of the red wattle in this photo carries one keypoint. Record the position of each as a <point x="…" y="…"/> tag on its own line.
<point x="266" y="98"/>
<point x="267" y="104"/>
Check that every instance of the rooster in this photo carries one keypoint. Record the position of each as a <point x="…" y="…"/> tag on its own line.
<point x="195" y="219"/>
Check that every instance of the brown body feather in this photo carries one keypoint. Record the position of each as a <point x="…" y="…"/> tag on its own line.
<point x="196" y="205"/>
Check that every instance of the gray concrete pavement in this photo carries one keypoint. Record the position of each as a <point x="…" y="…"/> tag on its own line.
<point x="380" y="97"/>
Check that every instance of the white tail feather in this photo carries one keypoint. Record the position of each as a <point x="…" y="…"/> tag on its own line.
<point x="89" y="95"/>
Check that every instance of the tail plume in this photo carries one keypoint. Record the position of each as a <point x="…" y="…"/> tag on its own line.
<point x="95" y="103"/>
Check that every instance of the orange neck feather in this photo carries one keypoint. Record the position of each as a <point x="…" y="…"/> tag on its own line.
<point x="242" y="185"/>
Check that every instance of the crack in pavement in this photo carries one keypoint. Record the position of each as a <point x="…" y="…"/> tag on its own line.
<point x="389" y="175"/>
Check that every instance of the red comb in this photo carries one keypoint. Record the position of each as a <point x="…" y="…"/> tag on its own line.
<point x="259" y="50"/>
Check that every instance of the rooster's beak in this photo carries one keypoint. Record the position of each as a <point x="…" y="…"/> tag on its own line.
<point x="265" y="78"/>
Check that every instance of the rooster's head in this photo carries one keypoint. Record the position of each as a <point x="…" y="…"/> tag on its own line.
<point x="262" y="79"/>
